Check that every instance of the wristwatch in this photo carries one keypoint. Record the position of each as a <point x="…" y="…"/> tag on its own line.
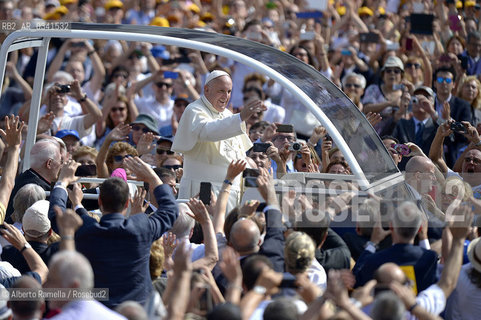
<point x="25" y="247"/>
<point x="260" y="290"/>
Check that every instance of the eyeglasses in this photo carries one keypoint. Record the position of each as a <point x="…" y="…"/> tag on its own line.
<point x="288" y="138"/>
<point x="123" y="75"/>
<point x="119" y="159"/>
<point x="395" y="70"/>
<point x="173" y="167"/>
<point x="137" y="128"/>
<point x="162" y="151"/>
<point x="442" y="79"/>
<point x="162" y="84"/>
<point x="474" y="160"/>
<point x="352" y="85"/>
<point x="117" y="109"/>
<point x="415" y="65"/>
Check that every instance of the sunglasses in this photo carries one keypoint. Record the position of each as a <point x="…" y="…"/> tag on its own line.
<point x="162" y="151"/>
<point x="162" y="84"/>
<point x="137" y="128"/>
<point x="352" y="85"/>
<point x="415" y="65"/>
<point x="173" y="167"/>
<point x="396" y="71"/>
<point x="119" y="159"/>
<point x="117" y="109"/>
<point x="446" y="80"/>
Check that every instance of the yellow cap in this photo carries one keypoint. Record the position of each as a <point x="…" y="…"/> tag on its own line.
<point x="207" y="16"/>
<point x="459" y="4"/>
<point x="159" y="22"/>
<point x="381" y="10"/>
<point x="66" y="2"/>
<point x="52" y="16"/>
<point x="365" y="11"/>
<point x="341" y="10"/>
<point x="469" y="4"/>
<point x="193" y="7"/>
<point x="62" y="10"/>
<point x="113" y="4"/>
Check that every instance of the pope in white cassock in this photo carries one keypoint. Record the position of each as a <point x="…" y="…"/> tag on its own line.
<point x="210" y="137"/>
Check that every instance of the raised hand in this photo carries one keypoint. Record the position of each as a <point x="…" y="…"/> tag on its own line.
<point x="68" y="222"/>
<point x="249" y="208"/>
<point x="373" y="118"/>
<point x="67" y="173"/>
<point x="119" y="133"/>
<point x="137" y="203"/>
<point x="169" y="244"/>
<point x="12" y="135"/>
<point x="200" y="213"/>
<point x="235" y="168"/>
<point x="145" y="144"/>
<point x="230" y="265"/>
<point x="252" y="107"/>
<point x="142" y="171"/>
<point x="45" y="122"/>
<point x="75" y="195"/>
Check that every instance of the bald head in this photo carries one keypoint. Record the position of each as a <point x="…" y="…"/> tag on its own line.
<point x="388" y="273"/>
<point x="420" y="174"/>
<point x="418" y="163"/>
<point x="245" y="236"/>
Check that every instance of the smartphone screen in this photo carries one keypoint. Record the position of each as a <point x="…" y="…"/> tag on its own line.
<point x="204" y="194"/>
<point x="88" y="170"/>
<point x="409" y="44"/>
<point x="261" y="147"/>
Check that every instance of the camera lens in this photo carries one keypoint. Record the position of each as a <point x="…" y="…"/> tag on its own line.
<point x="296" y="146"/>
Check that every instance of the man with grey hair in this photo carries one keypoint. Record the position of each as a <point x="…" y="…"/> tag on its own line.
<point x="210" y="137"/>
<point x="388" y="306"/>
<point x="420" y="263"/>
<point x="353" y="85"/>
<point x="45" y="162"/>
<point x="71" y="270"/>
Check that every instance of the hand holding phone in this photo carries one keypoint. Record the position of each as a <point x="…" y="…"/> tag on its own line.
<point x="205" y="192"/>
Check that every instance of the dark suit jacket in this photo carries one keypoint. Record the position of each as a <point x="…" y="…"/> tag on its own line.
<point x="424" y="262"/>
<point x="334" y="253"/>
<point x="26" y="177"/>
<point x="119" y="248"/>
<point x="405" y="132"/>
<point x="460" y="111"/>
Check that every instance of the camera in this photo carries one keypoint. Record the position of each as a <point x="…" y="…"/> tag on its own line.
<point x="63" y="88"/>
<point x="295" y="146"/>
<point x="414" y="100"/>
<point x="458" y="127"/>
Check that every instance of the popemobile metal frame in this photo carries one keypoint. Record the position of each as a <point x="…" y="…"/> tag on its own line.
<point x="371" y="164"/>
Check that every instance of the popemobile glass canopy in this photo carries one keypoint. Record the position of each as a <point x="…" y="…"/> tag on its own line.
<point x="370" y="162"/>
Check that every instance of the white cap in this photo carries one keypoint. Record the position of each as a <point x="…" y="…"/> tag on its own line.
<point x="8" y="271"/>
<point x="35" y="222"/>
<point x="216" y="74"/>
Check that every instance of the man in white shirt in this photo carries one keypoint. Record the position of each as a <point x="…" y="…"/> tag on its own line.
<point x="161" y="105"/>
<point x="210" y="137"/>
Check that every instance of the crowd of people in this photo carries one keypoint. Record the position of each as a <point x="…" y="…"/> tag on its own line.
<point x="188" y="223"/>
